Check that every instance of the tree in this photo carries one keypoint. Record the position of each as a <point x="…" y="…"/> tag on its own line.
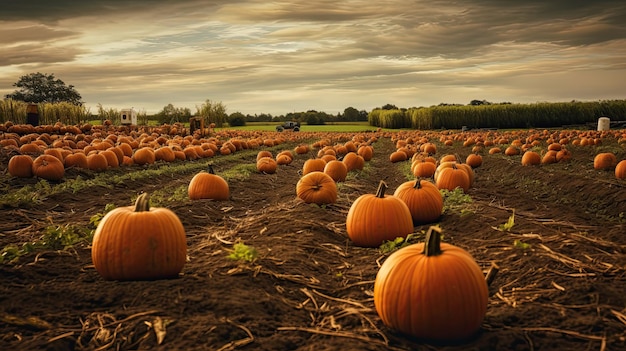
<point x="479" y="102"/>
<point x="171" y="114"/>
<point x="350" y="114"/>
<point x="39" y="87"/>
<point x="236" y="119"/>
<point x="389" y="107"/>
<point x="212" y="112"/>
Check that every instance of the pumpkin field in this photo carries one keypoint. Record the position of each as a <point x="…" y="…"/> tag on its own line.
<point x="268" y="266"/>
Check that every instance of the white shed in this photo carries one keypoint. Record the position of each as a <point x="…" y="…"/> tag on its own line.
<point x="128" y="116"/>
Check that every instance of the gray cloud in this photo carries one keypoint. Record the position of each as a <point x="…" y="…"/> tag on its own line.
<point x="283" y="54"/>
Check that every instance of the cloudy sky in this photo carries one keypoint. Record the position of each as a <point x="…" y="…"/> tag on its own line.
<point x="258" y="56"/>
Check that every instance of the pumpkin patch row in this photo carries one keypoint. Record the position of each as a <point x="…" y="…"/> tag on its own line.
<point x="534" y="147"/>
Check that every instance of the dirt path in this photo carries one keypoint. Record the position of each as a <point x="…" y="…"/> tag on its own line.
<point x="310" y="288"/>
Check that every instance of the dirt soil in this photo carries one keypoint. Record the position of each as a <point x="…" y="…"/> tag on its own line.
<point x="311" y="288"/>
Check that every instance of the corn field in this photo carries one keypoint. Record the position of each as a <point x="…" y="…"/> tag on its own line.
<point x="505" y="116"/>
<point x="64" y="112"/>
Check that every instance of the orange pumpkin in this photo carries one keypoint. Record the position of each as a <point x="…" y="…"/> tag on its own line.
<point x="336" y="170"/>
<point x="139" y="243"/>
<point x="549" y="157"/>
<point x="77" y="159"/>
<point x="604" y="161"/>
<point x="263" y="153"/>
<point x="283" y="159"/>
<point x="620" y="170"/>
<point x="111" y="157"/>
<point x="208" y="185"/>
<point x="373" y="219"/>
<point x="530" y="158"/>
<point x="312" y="165"/>
<point x="266" y="165"/>
<point x="398" y="156"/>
<point x="453" y="177"/>
<point x="21" y="166"/>
<point x="164" y="153"/>
<point x="48" y="167"/>
<point x="474" y="160"/>
<point x="144" y="155"/>
<point x="317" y="187"/>
<point x="353" y="161"/>
<point x="423" y="199"/>
<point x="97" y="162"/>
<point x="431" y="290"/>
<point x="365" y="151"/>
<point x="423" y="168"/>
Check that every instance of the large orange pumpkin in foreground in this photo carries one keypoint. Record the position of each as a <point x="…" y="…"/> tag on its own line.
<point x="139" y="243"/>
<point x="208" y="185"/>
<point x="374" y="219"/>
<point x="431" y="290"/>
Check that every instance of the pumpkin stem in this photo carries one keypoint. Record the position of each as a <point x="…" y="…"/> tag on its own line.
<point x="142" y="203"/>
<point x="382" y="187"/>
<point x="418" y="183"/>
<point x="210" y="169"/>
<point x="432" y="246"/>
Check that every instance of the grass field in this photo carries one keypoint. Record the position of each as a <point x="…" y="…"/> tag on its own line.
<point x="338" y="127"/>
<point x="271" y="126"/>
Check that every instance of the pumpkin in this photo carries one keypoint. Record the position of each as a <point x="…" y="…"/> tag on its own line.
<point x="474" y="160"/>
<point x="263" y="153"/>
<point x="431" y="290"/>
<point x="336" y="170"/>
<point x="604" y="161"/>
<point x="353" y="161"/>
<point x="312" y="165"/>
<point x="423" y="168"/>
<point x="375" y="218"/>
<point x="398" y="156"/>
<point x="423" y="199"/>
<point x="77" y="159"/>
<point x="549" y="157"/>
<point x="283" y="159"/>
<point x="365" y="151"/>
<point x="287" y="153"/>
<point x="144" y="155"/>
<point x="164" y="153"/>
<point x="448" y="158"/>
<point x="511" y="151"/>
<point x="317" y="187"/>
<point x="266" y="165"/>
<point x="620" y="170"/>
<point x="56" y="152"/>
<point x="111" y="157"/>
<point x="301" y="149"/>
<point x="48" y="167"/>
<point x="21" y="166"/>
<point x="97" y="162"/>
<point x="531" y="158"/>
<point x="208" y="185"/>
<point x="139" y="243"/>
<point x="453" y="177"/>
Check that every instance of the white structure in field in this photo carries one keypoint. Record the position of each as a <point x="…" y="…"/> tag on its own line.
<point x="604" y="123"/>
<point x="128" y="116"/>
